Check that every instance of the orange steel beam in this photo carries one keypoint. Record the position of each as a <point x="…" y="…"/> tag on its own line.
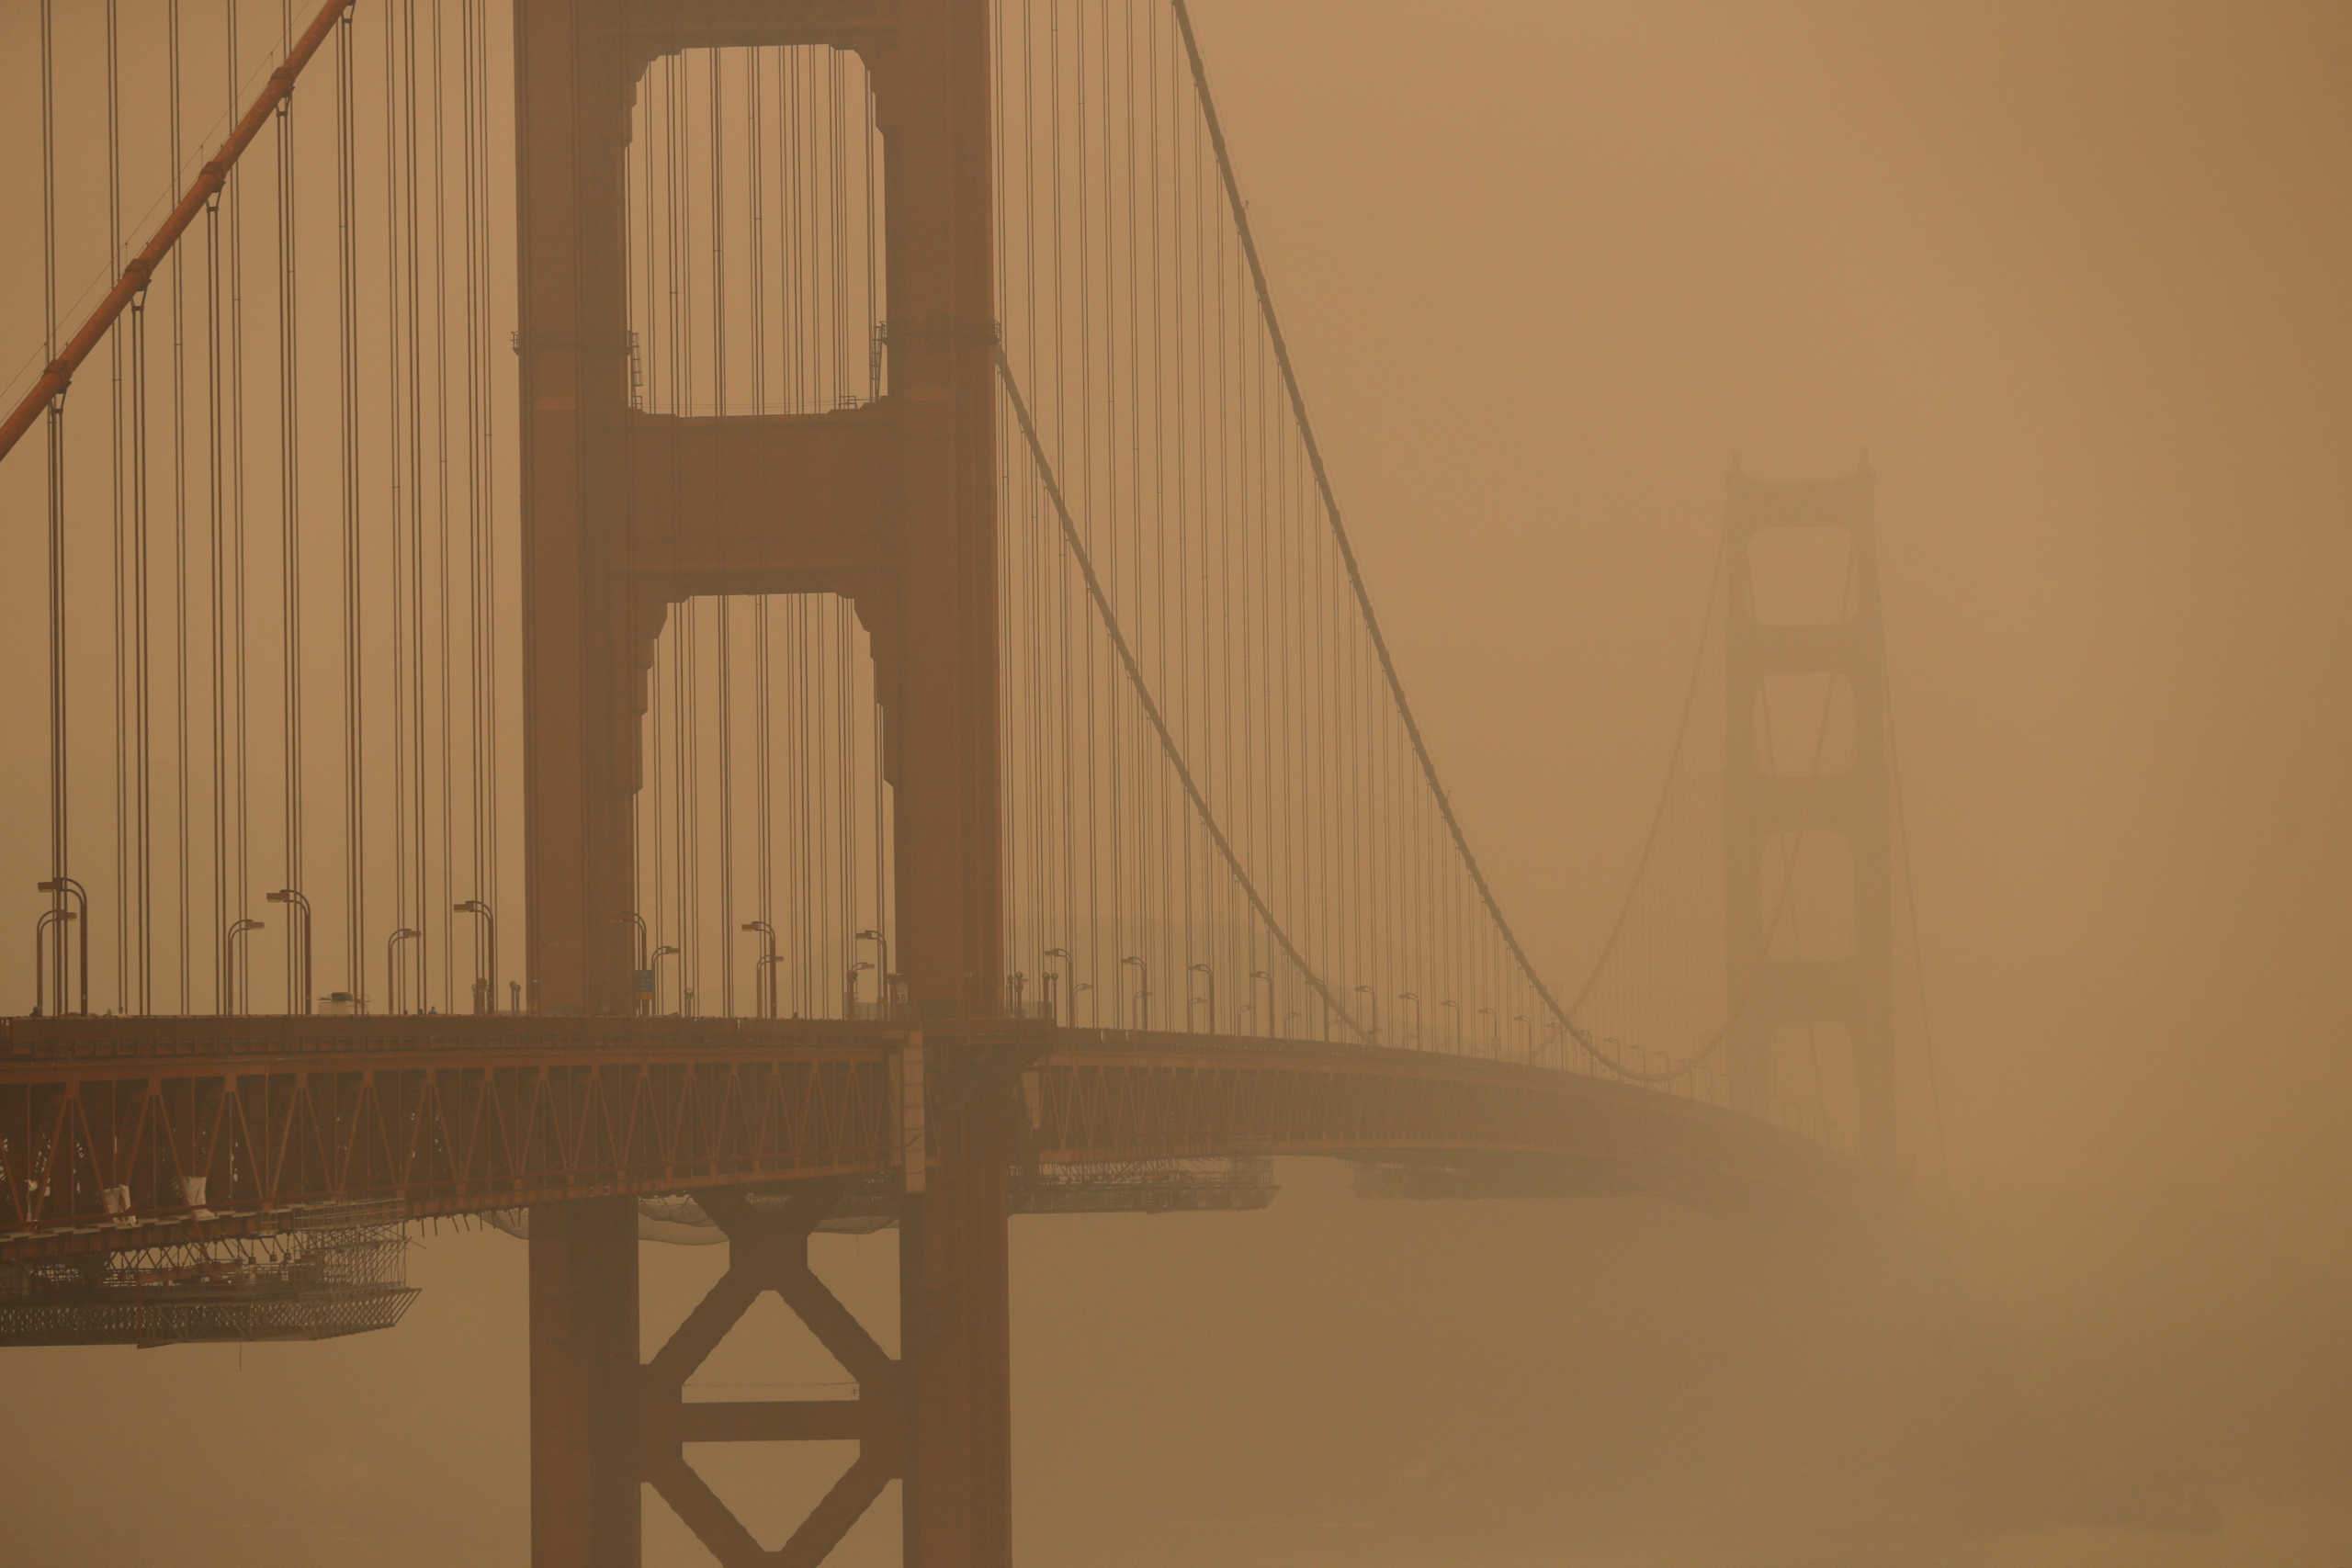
<point x="208" y="181"/>
<point x="105" y="1151"/>
<point x="97" y="1147"/>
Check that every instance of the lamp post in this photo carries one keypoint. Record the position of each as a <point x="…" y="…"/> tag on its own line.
<point x="637" y="966"/>
<point x="849" y="987"/>
<point x="55" y="915"/>
<point x="1494" y="1029"/>
<point x="391" y="984"/>
<point x="1083" y="985"/>
<point x="1289" y="1019"/>
<point x="1374" y="998"/>
<point x="1203" y="969"/>
<point x="62" y="885"/>
<point x="1526" y="1034"/>
<point x="1414" y="997"/>
<point x="299" y="941"/>
<point x="881" y="962"/>
<point x="1070" y="980"/>
<point x="1143" y="989"/>
<point x="766" y="965"/>
<point x="667" y="950"/>
<point x="1456" y="1009"/>
<point x="486" y="984"/>
<point x="1269" y="1014"/>
<point x="240" y="927"/>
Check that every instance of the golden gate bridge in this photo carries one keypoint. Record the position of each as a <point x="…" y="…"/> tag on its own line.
<point x="728" y="610"/>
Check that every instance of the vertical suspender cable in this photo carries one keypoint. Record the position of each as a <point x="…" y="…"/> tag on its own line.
<point x="396" y="468"/>
<point x="216" y="558"/>
<point x="355" y="772"/>
<point x="186" y="884"/>
<point x="420" y="862"/>
<point x="142" y="774"/>
<point x="725" y="629"/>
<point x="122" y="737"/>
<point x="480" y="804"/>
<point x="763" y="732"/>
<point x="58" y="837"/>
<point x="242" y="838"/>
<point x="444" y="591"/>
<point x="290" y="507"/>
<point x="142" y="983"/>
<point x="488" y="408"/>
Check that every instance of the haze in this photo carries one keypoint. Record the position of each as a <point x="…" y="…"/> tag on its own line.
<point x="2070" y="279"/>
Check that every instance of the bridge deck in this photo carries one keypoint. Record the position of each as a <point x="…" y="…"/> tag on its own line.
<point x="123" y="1131"/>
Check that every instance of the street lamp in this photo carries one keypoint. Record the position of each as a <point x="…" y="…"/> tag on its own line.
<point x="767" y="963"/>
<point x="1211" y="974"/>
<point x="1414" y="997"/>
<point x="1069" y="981"/>
<point x="1374" y="998"/>
<point x="486" y="984"/>
<point x="881" y="963"/>
<point x="667" y="950"/>
<point x="1527" y="1034"/>
<point x="1289" y="1019"/>
<point x="1143" y="989"/>
<point x="1261" y="974"/>
<point x="1494" y="1029"/>
<point x="1456" y="1007"/>
<point x="299" y="941"/>
<point x="849" y="987"/>
<point x="631" y="917"/>
<point x="1082" y="986"/>
<point x="391" y="987"/>
<point x="241" y="927"/>
<point x="65" y="884"/>
<point x="50" y="917"/>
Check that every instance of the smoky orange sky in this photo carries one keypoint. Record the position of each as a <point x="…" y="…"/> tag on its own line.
<point x="2071" y="279"/>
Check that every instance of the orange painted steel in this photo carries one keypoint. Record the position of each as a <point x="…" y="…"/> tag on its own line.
<point x="208" y="181"/>
<point x="103" y="1121"/>
<point x="105" y="1146"/>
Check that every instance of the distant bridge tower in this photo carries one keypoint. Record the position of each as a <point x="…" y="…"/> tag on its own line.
<point x="1767" y="808"/>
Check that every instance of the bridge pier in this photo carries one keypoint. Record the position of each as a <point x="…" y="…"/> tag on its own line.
<point x="936" y="1417"/>
<point x="586" y="1505"/>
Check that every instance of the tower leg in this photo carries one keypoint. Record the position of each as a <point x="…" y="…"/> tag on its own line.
<point x="956" y="1320"/>
<point x="584" y="1495"/>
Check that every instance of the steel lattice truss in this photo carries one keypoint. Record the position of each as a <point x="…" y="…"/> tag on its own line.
<point x="112" y="1143"/>
<point x="435" y="1116"/>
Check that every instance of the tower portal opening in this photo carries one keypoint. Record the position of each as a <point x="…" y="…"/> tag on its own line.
<point x="755" y="246"/>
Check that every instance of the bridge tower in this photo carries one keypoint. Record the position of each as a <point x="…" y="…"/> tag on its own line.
<point x="1765" y="808"/>
<point x="890" y="505"/>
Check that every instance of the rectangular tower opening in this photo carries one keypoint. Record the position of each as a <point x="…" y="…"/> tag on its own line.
<point x="755" y="235"/>
<point x="762" y="804"/>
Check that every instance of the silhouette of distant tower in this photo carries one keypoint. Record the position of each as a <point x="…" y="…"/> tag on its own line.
<point x="1762" y="805"/>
